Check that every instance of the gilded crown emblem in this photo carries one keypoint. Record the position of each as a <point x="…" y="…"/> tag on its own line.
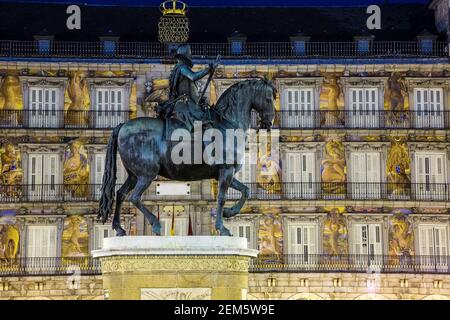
<point x="173" y="8"/>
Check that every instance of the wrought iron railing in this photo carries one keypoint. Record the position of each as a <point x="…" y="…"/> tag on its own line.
<point x="49" y="266"/>
<point x="58" y="119"/>
<point x="324" y="119"/>
<point x="346" y="191"/>
<point x="266" y="50"/>
<point x="74" y="193"/>
<point x="370" y="264"/>
<point x="258" y="191"/>
<point x="351" y="263"/>
<point x="316" y="119"/>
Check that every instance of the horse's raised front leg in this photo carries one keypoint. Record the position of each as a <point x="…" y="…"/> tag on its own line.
<point x="225" y="178"/>
<point x="135" y="198"/>
<point x="245" y="192"/>
<point x="120" y="198"/>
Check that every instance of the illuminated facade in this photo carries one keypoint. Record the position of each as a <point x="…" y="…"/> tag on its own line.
<point x="356" y="206"/>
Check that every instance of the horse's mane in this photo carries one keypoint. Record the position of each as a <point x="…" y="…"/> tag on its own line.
<point x="230" y="96"/>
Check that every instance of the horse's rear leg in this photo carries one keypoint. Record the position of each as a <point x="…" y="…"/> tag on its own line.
<point x="120" y="198"/>
<point x="135" y="198"/>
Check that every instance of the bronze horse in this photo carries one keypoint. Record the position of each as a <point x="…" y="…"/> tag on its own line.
<point x="145" y="150"/>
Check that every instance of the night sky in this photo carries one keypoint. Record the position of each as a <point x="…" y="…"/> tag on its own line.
<point x="225" y="3"/>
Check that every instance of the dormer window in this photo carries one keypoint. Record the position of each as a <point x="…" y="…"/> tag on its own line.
<point x="426" y="40"/>
<point x="298" y="42"/>
<point x="237" y="43"/>
<point x="363" y="43"/>
<point x="44" y="44"/>
<point x="109" y="43"/>
<point x="363" y="46"/>
<point x="109" y="47"/>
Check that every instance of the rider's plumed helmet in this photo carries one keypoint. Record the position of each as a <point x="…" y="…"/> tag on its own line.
<point x="184" y="54"/>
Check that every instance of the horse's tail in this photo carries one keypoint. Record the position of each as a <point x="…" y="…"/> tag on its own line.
<point x="109" y="177"/>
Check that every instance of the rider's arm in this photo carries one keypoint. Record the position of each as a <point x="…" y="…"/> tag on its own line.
<point x="194" y="76"/>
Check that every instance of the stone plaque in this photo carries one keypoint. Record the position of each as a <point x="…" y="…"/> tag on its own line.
<point x="176" y="294"/>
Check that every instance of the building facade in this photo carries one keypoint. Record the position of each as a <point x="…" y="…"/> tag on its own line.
<point x="353" y="205"/>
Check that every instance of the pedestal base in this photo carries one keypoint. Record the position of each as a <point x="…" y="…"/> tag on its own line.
<point x="153" y="268"/>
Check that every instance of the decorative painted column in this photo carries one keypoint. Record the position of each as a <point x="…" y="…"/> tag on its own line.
<point x="177" y="268"/>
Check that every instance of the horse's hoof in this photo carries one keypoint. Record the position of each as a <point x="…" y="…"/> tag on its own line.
<point x="156" y="228"/>
<point x="120" y="232"/>
<point x="225" y="232"/>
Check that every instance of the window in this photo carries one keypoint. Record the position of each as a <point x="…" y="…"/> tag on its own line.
<point x="363" y="46"/>
<point x="299" y="108"/>
<point x="426" y="46"/>
<point x="299" y="173"/>
<point x="237" y="47"/>
<point x="433" y="245"/>
<point x="41" y="241"/>
<point x="243" y="230"/>
<point x="365" y="175"/>
<point x="44" y="107"/>
<point x="109" y="47"/>
<point x="245" y="175"/>
<point x="43" y="173"/>
<point x="101" y="232"/>
<point x="299" y="47"/>
<point x="99" y="168"/>
<point x="302" y="243"/>
<point x="367" y="242"/>
<point x="364" y="108"/>
<point x="44" y="46"/>
<point x="110" y="109"/>
<point x="428" y="104"/>
<point x="430" y="176"/>
<point x="181" y="226"/>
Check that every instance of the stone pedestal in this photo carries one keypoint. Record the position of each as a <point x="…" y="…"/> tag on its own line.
<point x="195" y="267"/>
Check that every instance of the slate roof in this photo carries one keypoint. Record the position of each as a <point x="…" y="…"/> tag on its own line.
<point x="19" y="21"/>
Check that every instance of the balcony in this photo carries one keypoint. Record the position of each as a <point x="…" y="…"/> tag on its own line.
<point x="76" y="193"/>
<point x="319" y="263"/>
<point x="285" y="120"/>
<point x="258" y="191"/>
<point x="49" y="266"/>
<point x="256" y="50"/>
<point x="346" y="191"/>
<point x="51" y="119"/>
<point x="351" y="263"/>
<point x="371" y="120"/>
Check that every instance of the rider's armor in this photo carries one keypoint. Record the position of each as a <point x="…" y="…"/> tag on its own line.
<point x="182" y="85"/>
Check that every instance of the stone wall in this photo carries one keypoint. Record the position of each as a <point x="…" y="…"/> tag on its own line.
<point x="286" y="286"/>
<point x="51" y="288"/>
<point x="348" y="286"/>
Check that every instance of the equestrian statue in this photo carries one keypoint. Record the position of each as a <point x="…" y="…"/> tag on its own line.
<point x="145" y="145"/>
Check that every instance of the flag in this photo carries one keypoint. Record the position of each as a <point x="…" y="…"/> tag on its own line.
<point x="190" y="233"/>
<point x="172" y="228"/>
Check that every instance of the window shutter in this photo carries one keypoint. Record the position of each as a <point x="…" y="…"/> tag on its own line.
<point x="420" y="168"/>
<point x="35" y="173"/>
<point x="181" y="226"/>
<point x="441" y="241"/>
<point x="312" y="240"/>
<point x="99" y="168"/>
<point x="373" y="167"/>
<point x="375" y="239"/>
<point x="51" y="164"/>
<point x="41" y="241"/>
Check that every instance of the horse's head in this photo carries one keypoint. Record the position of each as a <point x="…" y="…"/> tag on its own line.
<point x="263" y="103"/>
